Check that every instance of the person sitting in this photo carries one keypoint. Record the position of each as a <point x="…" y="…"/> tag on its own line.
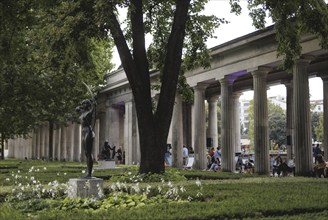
<point x="320" y="169"/>
<point x="276" y="164"/>
<point x="249" y="165"/>
<point x="215" y="166"/>
<point x="211" y="160"/>
<point x="239" y="164"/>
<point x="316" y="152"/>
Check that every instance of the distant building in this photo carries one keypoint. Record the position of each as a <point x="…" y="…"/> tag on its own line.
<point x="316" y="105"/>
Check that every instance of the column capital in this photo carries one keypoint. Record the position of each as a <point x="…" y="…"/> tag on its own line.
<point x="201" y="86"/>
<point x="323" y="76"/>
<point x="228" y="79"/>
<point x="304" y="60"/>
<point x="236" y="95"/>
<point x="287" y="82"/>
<point x="213" y="98"/>
<point x="260" y="71"/>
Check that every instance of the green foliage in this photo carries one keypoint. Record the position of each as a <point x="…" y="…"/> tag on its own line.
<point x="217" y="196"/>
<point x="277" y="124"/>
<point x="315" y="125"/>
<point x="276" y="121"/>
<point x="292" y="19"/>
<point x="129" y="177"/>
<point x="319" y="129"/>
<point x="46" y="51"/>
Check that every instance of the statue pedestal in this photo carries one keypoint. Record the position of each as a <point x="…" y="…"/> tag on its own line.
<point x="85" y="187"/>
<point x="106" y="164"/>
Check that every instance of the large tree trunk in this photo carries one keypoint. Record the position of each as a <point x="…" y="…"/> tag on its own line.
<point x="153" y="127"/>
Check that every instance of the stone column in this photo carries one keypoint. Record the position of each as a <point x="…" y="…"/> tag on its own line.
<point x="103" y="136"/>
<point x="38" y="143"/>
<point x="11" y="148"/>
<point x="77" y="142"/>
<point x="42" y="141"/>
<point x="325" y="115"/>
<point x="130" y="146"/>
<point x="96" y="145"/>
<point x="236" y="121"/>
<point x="302" y="139"/>
<point x="289" y="116"/>
<point x="213" y="120"/>
<point x="227" y="135"/>
<point x="33" y="144"/>
<point x="199" y="127"/>
<point x="261" y="134"/>
<point x="56" y="142"/>
<point x="46" y="141"/>
<point x="114" y="126"/>
<point x="69" y="141"/>
<point x="177" y="133"/>
<point x="62" y="142"/>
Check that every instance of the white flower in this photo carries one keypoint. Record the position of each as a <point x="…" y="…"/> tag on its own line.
<point x="83" y="171"/>
<point x="45" y="168"/>
<point x="7" y="179"/>
<point x="198" y="183"/>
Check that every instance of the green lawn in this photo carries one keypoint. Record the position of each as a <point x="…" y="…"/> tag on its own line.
<point x="183" y="194"/>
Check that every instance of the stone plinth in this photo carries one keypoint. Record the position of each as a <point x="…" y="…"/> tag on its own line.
<point x="85" y="187"/>
<point x="106" y="164"/>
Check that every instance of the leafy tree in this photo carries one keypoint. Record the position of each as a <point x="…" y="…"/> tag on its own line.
<point x="319" y="129"/>
<point x="276" y="121"/>
<point x="315" y="124"/>
<point x="178" y="30"/>
<point x="277" y="124"/>
<point x="44" y="57"/>
<point x="250" y="129"/>
<point x="292" y="19"/>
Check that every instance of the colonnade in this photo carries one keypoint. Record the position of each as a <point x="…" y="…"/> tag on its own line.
<point x="237" y="66"/>
<point x="66" y="144"/>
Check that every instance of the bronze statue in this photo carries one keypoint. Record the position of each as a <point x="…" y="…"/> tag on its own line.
<point x="87" y="111"/>
<point x="105" y="152"/>
<point x="88" y="135"/>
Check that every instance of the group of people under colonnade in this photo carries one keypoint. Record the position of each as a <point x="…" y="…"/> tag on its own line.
<point x="246" y="63"/>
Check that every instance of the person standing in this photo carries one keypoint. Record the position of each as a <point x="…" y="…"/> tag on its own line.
<point x="185" y="155"/>
<point x="316" y="151"/>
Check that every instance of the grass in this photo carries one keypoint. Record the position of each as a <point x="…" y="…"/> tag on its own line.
<point x="222" y="195"/>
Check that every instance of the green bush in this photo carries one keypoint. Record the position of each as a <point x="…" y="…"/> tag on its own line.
<point x="202" y="195"/>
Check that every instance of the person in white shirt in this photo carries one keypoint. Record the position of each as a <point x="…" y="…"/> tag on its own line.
<point x="185" y="155"/>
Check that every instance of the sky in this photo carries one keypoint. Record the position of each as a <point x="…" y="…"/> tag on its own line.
<point x="239" y="26"/>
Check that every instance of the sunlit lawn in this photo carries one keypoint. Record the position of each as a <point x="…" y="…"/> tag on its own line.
<point x="179" y="194"/>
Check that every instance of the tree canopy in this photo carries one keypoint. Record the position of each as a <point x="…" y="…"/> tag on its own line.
<point x="46" y="50"/>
